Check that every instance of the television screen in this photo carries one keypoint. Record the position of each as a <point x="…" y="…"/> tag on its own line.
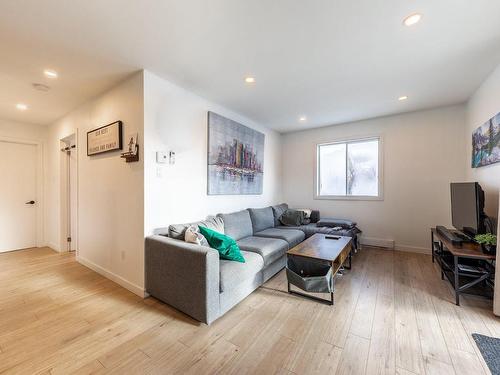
<point x="466" y="207"/>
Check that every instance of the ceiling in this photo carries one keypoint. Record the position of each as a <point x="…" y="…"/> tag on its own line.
<point x="332" y="61"/>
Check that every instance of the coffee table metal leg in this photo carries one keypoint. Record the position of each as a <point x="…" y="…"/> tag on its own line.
<point x="333" y="287"/>
<point x="457" y="282"/>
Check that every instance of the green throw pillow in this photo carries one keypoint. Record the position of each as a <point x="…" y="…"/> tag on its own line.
<point x="225" y="245"/>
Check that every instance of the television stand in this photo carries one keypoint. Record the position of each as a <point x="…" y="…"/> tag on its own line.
<point x="456" y="238"/>
<point x="467" y="268"/>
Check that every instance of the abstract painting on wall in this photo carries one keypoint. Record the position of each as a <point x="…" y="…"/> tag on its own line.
<point x="486" y="143"/>
<point x="235" y="157"/>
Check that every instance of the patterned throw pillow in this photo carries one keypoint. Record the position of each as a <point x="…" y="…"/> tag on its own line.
<point x="192" y="235"/>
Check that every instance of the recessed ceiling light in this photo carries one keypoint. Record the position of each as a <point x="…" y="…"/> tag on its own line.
<point x="50" y="73"/>
<point x="249" y="79"/>
<point x="302" y="118"/>
<point x="21" y="106"/>
<point x="412" y="19"/>
<point x="401" y="98"/>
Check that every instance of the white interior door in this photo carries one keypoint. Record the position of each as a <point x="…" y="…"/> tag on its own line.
<point x="18" y="201"/>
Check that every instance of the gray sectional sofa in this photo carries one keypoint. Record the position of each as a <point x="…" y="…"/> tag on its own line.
<point x="194" y="280"/>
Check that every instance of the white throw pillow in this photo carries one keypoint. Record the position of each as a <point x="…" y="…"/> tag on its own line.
<point x="307" y="212"/>
<point x="192" y="235"/>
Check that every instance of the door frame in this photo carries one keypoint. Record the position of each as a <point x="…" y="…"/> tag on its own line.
<point x="40" y="201"/>
<point x="64" y="190"/>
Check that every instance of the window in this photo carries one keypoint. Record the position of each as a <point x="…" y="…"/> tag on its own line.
<point x="349" y="169"/>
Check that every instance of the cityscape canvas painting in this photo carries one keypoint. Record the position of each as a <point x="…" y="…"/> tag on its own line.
<point x="486" y="143"/>
<point x="235" y="157"/>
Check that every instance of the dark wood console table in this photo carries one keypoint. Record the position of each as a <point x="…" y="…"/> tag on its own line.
<point x="469" y="270"/>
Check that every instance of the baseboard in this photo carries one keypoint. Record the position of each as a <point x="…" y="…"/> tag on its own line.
<point x="136" y="289"/>
<point x="53" y="246"/>
<point x="413" y="249"/>
<point x="391" y="245"/>
<point x="378" y="242"/>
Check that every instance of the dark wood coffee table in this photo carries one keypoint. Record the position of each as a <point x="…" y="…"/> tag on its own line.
<point x="320" y="248"/>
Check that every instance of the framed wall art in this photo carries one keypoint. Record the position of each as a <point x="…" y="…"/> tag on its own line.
<point x="235" y="157"/>
<point x="104" y="139"/>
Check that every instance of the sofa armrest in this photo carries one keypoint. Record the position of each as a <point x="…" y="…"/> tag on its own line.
<point x="183" y="275"/>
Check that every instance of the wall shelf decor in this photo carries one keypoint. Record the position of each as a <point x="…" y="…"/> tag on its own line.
<point x="132" y="153"/>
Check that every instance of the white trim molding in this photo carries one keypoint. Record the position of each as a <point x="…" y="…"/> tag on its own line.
<point x="379" y="197"/>
<point x="412" y="249"/>
<point x="53" y="246"/>
<point x="136" y="289"/>
<point x="40" y="175"/>
<point x="392" y="245"/>
<point x="378" y="242"/>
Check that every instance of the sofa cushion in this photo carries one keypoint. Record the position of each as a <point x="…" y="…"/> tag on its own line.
<point x="225" y="245"/>
<point x="292" y="236"/>
<point x="307" y="212"/>
<point x="313" y="228"/>
<point x="237" y="225"/>
<point x="278" y="211"/>
<point x="262" y="218"/>
<point x="331" y="223"/>
<point x="270" y="249"/>
<point x="315" y="216"/>
<point x="193" y="235"/>
<point x="292" y="218"/>
<point x="233" y="273"/>
<point x="178" y="231"/>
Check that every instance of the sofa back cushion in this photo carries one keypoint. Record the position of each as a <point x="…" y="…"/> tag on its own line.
<point x="278" y="211"/>
<point x="237" y="225"/>
<point x="262" y="218"/>
<point x="178" y="231"/>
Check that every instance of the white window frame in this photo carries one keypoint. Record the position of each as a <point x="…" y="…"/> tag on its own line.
<point x="379" y="197"/>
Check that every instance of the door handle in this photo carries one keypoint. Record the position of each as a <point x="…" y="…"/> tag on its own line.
<point x="30" y="202"/>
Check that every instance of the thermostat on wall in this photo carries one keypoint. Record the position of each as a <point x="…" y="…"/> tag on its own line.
<point x="161" y="157"/>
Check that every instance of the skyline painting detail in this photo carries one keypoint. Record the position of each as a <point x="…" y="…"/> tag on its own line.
<point x="235" y="157"/>
<point x="486" y="143"/>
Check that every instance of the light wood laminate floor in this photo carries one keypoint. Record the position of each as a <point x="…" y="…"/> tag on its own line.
<point x="393" y="315"/>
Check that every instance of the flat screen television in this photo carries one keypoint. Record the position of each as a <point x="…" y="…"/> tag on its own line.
<point x="467" y="207"/>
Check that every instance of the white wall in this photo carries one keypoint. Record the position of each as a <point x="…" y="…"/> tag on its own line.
<point x="110" y="191"/>
<point x="483" y="105"/>
<point x="176" y="120"/>
<point x="423" y="153"/>
<point x="18" y="130"/>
